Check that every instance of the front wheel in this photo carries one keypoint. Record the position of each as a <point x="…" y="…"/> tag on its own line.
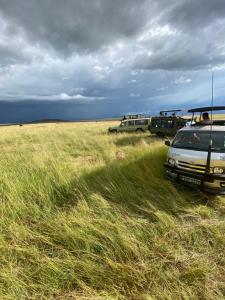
<point x="160" y="134"/>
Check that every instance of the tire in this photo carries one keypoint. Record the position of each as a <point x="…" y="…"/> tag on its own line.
<point x="113" y="131"/>
<point x="139" y="130"/>
<point x="160" y="134"/>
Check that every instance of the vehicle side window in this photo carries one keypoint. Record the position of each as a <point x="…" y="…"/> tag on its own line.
<point x="155" y="123"/>
<point x="219" y="140"/>
<point x="160" y="123"/>
<point x="169" y="124"/>
<point x="130" y="123"/>
<point x="164" y="124"/>
<point x="141" y="122"/>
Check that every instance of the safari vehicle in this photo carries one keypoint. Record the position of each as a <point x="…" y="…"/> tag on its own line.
<point x="167" y="123"/>
<point x="196" y="156"/>
<point x="131" y="125"/>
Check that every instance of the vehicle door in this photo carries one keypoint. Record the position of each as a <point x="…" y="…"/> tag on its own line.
<point x="130" y="126"/>
<point x="155" y="125"/>
<point x="170" y="126"/>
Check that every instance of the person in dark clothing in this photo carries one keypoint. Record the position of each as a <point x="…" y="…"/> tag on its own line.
<point x="206" y="119"/>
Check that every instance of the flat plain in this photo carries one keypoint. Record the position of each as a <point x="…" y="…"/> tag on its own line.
<point x="88" y="215"/>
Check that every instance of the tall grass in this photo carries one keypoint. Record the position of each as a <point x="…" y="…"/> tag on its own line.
<point x="87" y="215"/>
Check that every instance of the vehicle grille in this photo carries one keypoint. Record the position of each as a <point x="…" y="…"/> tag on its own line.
<point x="191" y="167"/>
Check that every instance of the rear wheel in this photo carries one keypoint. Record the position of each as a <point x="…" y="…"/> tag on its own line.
<point x="139" y="130"/>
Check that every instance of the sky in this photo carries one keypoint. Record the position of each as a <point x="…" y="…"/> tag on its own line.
<point x="76" y="59"/>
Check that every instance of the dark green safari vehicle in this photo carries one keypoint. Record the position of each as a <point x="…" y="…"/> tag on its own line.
<point x="167" y="123"/>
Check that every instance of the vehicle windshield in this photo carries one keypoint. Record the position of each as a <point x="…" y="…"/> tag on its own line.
<point x="199" y="140"/>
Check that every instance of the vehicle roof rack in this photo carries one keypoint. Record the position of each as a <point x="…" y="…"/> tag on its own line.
<point x="134" y="116"/>
<point x="209" y="108"/>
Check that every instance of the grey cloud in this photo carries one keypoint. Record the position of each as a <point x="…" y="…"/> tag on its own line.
<point x="74" y="25"/>
<point x="175" y="60"/>
<point x="193" y="15"/>
<point x="195" y="41"/>
<point x="11" y="56"/>
<point x="55" y="49"/>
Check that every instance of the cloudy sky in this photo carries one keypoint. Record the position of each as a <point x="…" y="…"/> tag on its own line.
<point x="76" y="59"/>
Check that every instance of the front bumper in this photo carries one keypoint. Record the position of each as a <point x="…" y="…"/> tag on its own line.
<point x="214" y="184"/>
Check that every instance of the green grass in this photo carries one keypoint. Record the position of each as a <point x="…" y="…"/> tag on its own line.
<point x="87" y="215"/>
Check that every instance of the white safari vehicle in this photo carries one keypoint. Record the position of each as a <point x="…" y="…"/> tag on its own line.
<point x="196" y="156"/>
<point x="132" y="125"/>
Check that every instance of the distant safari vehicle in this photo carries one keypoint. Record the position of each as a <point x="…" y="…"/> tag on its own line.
<point x="132" y="125"/>
<point x="167" y="123"/>
<point x="196" y="156"/>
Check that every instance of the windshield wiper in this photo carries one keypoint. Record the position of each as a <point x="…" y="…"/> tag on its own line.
<point x="189" y="148"/>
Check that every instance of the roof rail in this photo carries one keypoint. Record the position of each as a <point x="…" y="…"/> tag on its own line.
<point x="209" y="108"/>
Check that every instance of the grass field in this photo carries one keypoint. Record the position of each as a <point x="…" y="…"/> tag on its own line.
<point x="87" y="215"/>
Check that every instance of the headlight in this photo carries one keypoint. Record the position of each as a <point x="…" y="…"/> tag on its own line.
<point x="172" y="162"/>
<point x="218" y="170"/>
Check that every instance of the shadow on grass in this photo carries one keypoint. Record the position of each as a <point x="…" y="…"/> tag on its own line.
<point x="136" y="139"/>
<point x="64" y="195"/>
<point x="139" y="187"/>
<point x="135" y="184"/>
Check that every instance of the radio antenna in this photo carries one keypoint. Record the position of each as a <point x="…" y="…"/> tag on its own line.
<point x="210" y="137"/>
<point x="212" y="97"/>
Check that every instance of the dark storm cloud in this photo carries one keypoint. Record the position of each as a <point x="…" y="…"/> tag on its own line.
<point x="195" y="41"/>
<point x="76" y="25"/>
<point x="72" y="26"/>
<point x="193" y="14"/>
<point x="181" y="51"/>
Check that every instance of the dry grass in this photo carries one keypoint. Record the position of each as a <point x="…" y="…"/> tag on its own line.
<point x="87" y="215"/>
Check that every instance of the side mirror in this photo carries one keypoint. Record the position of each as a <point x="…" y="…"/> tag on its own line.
<point x="168" y="143"/>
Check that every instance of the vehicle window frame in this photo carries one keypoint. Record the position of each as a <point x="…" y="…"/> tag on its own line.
<point x="161" y="123"/>
<point x="131" y="121"/>
<point x="145" y="122"/>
